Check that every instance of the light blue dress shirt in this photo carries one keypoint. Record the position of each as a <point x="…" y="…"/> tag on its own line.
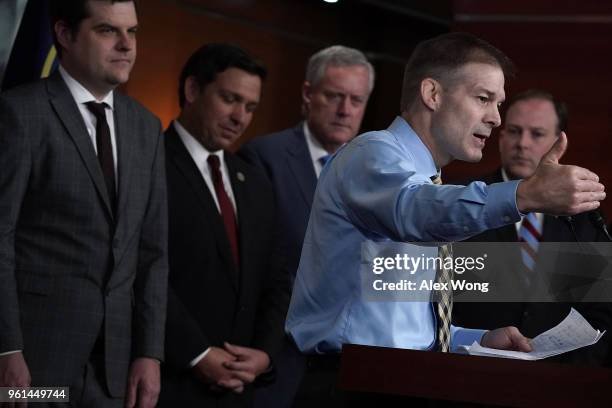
<point x="378" y="188"/>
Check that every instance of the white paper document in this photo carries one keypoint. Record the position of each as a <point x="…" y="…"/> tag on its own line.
<point x="572" y="333"/>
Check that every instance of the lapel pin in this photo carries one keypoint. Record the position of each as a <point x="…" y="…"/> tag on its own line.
<point x="240" y="176"/>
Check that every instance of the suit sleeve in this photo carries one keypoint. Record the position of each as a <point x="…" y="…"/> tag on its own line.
<point x="15" y="161"/>
<point x="150" y="288"/>
<point x="249" y="153"/>
<point x="598" y="314"/>
<point x="269" y="330"/>
<point x="185" y="340"/>
<point x="274" y="301"/>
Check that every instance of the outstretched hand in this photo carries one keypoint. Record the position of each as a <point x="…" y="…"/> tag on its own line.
<point x="559" y="189"/>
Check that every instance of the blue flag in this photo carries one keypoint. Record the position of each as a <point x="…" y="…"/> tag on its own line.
<point x="33" y="55"/>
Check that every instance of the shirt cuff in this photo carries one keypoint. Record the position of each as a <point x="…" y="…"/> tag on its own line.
<point x="501" y="204"/>
<point x="6" y="353"/>
<point x="196" y="360"/>
<point x="465" y="337"/>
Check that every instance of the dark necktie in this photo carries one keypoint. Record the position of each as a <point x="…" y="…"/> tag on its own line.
<point x="324" y="159"/>
<point x="444" y="306"/>
<point x="227" y="210"/>
<point x="104" y="148"/>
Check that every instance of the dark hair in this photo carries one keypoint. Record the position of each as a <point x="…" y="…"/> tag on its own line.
<point x="72" y="12"/>
<point x="440" y="57"/>
<point x="212" y="59"/>
<point x="560" y="107"/>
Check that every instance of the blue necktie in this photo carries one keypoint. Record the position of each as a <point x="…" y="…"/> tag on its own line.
<point x="324" y="159"/>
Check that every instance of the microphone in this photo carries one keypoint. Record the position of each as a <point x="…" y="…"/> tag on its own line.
<point x="599" y="222"/>
<point x="569" y="220"/>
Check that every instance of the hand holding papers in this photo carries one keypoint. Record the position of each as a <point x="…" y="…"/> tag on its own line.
<point x="572" y="333"/>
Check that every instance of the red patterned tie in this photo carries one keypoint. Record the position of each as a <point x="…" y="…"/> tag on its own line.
<point x="530" y="235"/>
<point x="227" y="210"/>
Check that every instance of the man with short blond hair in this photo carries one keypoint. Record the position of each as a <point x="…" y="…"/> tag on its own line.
<point x="335" y="92"/>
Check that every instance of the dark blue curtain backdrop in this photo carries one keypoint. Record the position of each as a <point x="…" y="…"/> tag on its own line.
<point x="33" y="55"/>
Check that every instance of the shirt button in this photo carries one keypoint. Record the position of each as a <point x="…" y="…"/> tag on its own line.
<point x="506" y="219"/>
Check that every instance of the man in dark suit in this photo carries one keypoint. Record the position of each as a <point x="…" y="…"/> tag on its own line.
<point x="335" y="93"/>
<point x="228" y="297"/>
<point x="533" y="121"/>
<point x="83" y="257"/>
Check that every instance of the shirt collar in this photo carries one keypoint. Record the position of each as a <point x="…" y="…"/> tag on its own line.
<point x="504" y="175"/>
<point x="314" y="146"/>
<point x="80" y="94"/>
<point x="408" y="138"/>
<point x="198" y="152"/>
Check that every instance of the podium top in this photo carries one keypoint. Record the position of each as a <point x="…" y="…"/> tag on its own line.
<point x="484" y="380"/>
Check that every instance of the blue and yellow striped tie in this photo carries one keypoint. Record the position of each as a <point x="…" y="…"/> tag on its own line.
<point x="444" y="306"/>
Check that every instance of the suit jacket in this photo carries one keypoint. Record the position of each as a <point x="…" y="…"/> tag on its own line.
<point x="536" y="317"/>
<point x="71" y="270"/>
<point x="210" y="299"/>
<point x="285" y="158"/>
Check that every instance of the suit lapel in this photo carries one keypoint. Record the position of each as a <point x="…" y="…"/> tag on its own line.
<point x="177" y="152"/>
<point x="238" y="180"/>
<point x="70" y="116"/>
<point x="300" y="164"/>
<point x="124" y="130"/>
<point x="507" y="233"/>
<point x="555" y="230"/>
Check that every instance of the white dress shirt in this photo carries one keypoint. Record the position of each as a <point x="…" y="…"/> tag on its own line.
<point x="315" y="149"/>
<point x="199" y="154"/>
<point x="81" y="96"/>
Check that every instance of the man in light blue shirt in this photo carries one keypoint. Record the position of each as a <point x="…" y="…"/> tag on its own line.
<point x="378" y="188"/>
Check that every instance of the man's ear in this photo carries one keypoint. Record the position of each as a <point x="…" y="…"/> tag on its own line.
<point x="192" y="89"/>
<point x="63" y="33"/>
<point x="306" y="94"/>
<point x="431" y="93"/>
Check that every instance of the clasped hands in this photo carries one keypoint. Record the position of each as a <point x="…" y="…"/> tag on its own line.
<point x="231" y="367"/>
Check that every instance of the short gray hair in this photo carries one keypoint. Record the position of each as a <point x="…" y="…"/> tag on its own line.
<point x="337" y="56"/>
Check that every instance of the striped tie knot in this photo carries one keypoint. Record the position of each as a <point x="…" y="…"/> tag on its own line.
<point x="436" y="179"/>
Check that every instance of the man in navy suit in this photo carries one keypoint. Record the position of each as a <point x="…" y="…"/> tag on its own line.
<point x="534" y="120"/>
<point x="335" y="93"/>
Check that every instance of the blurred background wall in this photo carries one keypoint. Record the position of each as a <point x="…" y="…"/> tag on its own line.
<point x="283" y="34"/>
<point x="564" y="47"/>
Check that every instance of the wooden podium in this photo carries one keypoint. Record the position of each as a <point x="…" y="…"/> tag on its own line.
<point x="483" y="380"/>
